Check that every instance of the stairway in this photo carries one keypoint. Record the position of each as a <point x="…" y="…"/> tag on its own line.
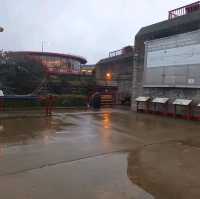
<point x="106" y="100"/>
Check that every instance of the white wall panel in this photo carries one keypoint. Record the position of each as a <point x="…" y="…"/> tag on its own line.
<point x="175" y="56"/>
<point x="173" y="61"/>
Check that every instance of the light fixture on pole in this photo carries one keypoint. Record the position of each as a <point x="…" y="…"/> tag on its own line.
<point x="43" y="46"/>
<point x="1" y="29"/>
<point x="108" y="76"/>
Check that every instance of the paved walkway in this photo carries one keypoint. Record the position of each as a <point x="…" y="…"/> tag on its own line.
<point x="104" y="154"/>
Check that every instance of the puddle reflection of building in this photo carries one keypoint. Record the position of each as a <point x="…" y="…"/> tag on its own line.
<point x="106" y="120"/>
<point x="2" y="151"/>
<point x="1" y="127"/>
<point x="106" y="130"/>
<point x="48" y="131"/>
<point x="25" y="131"/>
<point x="165" y="171"/>
<point x="137" y="174"/>
<point x="1" y="145"/>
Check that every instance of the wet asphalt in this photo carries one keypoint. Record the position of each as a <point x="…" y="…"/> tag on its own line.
<point x="105" y="154"/>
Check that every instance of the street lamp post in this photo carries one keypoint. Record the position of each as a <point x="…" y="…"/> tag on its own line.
<point x="1" y="52"/>
<point x="42" y="46"/>
<point x="1" y="29"/>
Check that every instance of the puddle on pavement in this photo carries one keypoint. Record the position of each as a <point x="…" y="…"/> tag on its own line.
<point x="148" y="128"/>
<point x="167" y="171"/>
<point x="141" y="127"/>
<point x="27" y="130"/>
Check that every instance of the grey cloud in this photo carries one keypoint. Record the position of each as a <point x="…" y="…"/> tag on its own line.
<point x="89" y="28"/>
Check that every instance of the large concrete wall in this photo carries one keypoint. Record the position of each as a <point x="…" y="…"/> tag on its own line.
<point x="173" y="61"/>
<point x="183" y="24"/>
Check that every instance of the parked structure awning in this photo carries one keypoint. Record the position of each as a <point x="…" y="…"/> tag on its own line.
<point x="160" y="100"/>
<point x="182" y="102"/>
<point x="142" y="99"/>
<point x="1" y="93"/>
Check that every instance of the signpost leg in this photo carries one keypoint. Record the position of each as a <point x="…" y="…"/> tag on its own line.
<point x="147" y="107"/>
<point x="174" y="111"/>
<point x="137" y="106"/>
<point x="1" y="105"/>
<point x="189" y="112"/>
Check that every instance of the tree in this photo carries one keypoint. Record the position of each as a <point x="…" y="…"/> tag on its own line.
<point x="19" y="74"/>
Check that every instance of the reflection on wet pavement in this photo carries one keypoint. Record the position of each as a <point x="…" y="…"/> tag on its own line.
<point x="25" y="131"/>
<point x="169" y="170"/>
<point x="106" y="154"/>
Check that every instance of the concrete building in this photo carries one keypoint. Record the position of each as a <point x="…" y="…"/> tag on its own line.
<point x="167" y="57"/>
<point x="115" y="72"/>
<point x="88" y="69"/>
<point x="54" y="63"/>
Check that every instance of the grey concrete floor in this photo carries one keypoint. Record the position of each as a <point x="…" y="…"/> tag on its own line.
<point x="105" y="154"/>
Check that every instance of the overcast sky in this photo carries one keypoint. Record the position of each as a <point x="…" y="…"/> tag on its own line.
<point x="90" y="28"/>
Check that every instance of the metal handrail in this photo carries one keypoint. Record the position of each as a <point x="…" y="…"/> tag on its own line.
<point x="184" y="10"/>
<point x="115" y="53"/>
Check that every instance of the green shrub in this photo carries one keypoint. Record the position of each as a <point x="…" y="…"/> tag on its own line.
<point x="71" y="101"/>
<point x="60" y="101"/>
<point x="21" y="104"/>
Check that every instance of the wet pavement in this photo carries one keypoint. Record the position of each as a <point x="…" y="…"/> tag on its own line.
<point x="105" y="154"/>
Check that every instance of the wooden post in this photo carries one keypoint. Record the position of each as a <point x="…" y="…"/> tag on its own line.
<point x="1" y="104"/>
<point x="137" y="106"/>
<point x="174" y="110"/>
<point x="189" y="112"/>
<point x="47" y="102"/>
<point x="166" y="108"/>
<point x="154" y="107"/>
<point x="147" y="107"/>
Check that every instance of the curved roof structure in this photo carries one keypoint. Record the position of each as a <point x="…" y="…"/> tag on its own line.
<point x="82" y="60"/>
